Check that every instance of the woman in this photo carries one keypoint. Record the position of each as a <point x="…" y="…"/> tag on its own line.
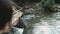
<point x="6" y="17"/>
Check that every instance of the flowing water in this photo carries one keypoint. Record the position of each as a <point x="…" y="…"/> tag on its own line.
<point x="42" y="23"/>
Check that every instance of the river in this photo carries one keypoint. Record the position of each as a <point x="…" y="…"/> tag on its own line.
<point x="42" y="23"/>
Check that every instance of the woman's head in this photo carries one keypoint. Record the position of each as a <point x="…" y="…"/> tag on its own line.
<point x="5" y="13"/>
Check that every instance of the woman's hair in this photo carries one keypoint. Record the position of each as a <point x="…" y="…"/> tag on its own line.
<point x="5" y="13"/>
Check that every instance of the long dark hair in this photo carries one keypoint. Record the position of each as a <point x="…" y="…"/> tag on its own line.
<point x="5" y="12"/>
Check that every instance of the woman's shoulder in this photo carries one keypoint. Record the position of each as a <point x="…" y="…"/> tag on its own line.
<point x="15" y="31"/>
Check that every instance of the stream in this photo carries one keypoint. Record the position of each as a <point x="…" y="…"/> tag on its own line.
<point x="42" y="23"/>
